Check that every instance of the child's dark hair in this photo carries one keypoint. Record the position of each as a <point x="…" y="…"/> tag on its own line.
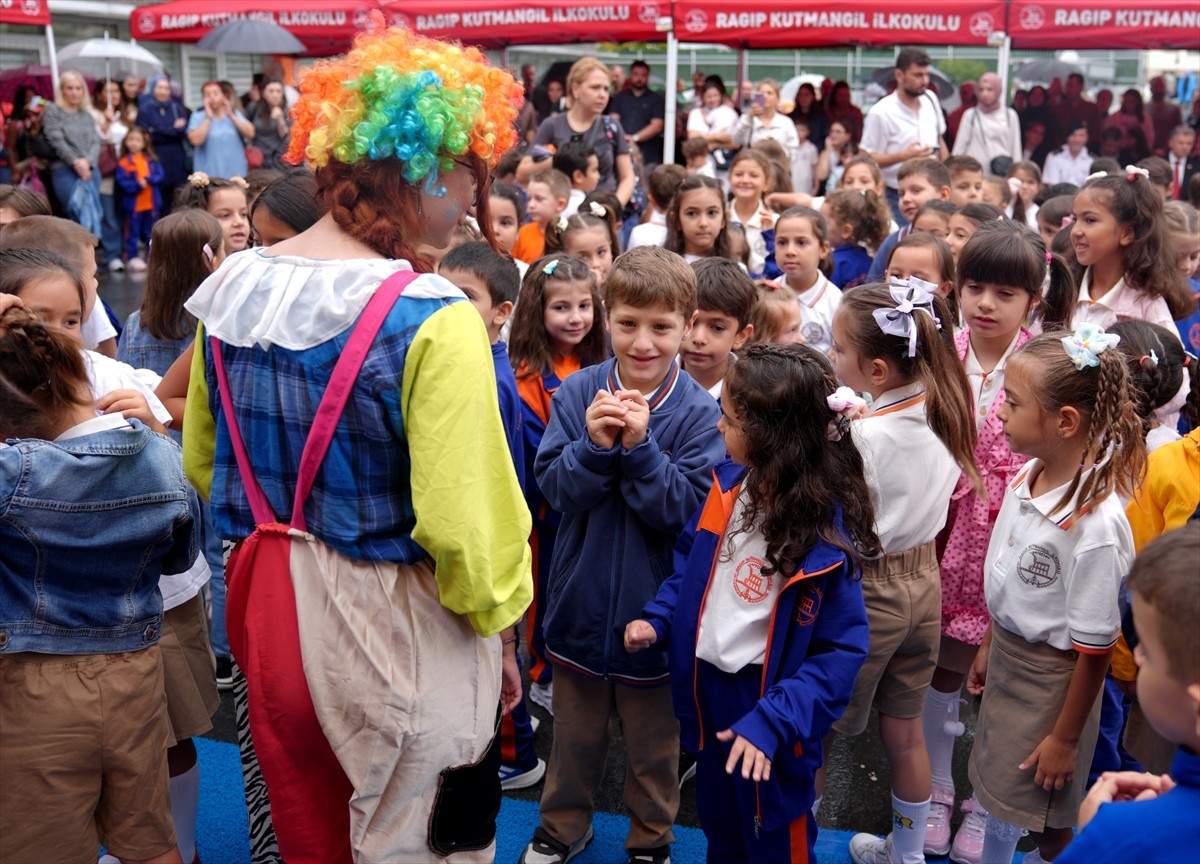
<point x="962" y="164"/>
<point x="941" y="254"/>
<point x="509" y="193"/>
<point x="865" y="212"/>
<point x="292" y="199"/>
<point x="1055" y="210"/>
<point x="948" y="399"/>
<point x="819" y="228"/>
<point x="932" y="170"/>
<point x="42" y="374"/>
<point x="507" y="166"/>
<point x="802" y="486"/>
<point x="591" y="215"/>
<point x="1149" y="261"/>
<point x="498" y="272"/>
<point x="1106" y="164"/>
<point x="650" y="276"/>
<point x="1005" y="252"/>
<point x="571" y="157"/>
<point x="675" y="240"/>
<point x="195" y="193"/>
<point x="1159" y="170"/>
<point x="722" y="286"/>
<point x="1157" y="366"/>
<point x="258" y="179"/>
<point x="663" y="182"/>
<point x="1164" y="575"/>
<point x="21" y="265"/>
<point x="1059" y="189"/>
<point x="980" y="212"/>
<point x="147" y="147"/>
<point x="1112" y="429"/>
<point x="694" y="146"/>
<point x="937" y="205"/>
<point x="528" y="348"/>
<point x="53" y="233"/>
<point x="182" y="245"/>
<point x="26" y="202"/>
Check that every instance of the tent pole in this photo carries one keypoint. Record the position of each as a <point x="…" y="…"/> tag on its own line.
<point x="1004" y="61"/>
<point x="53" y="57"/>
<point x="742" y="69"/>
<point x="672" y="98"/>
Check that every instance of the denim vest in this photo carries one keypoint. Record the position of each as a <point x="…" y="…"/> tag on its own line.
<point x="87" y="526"/>
<point x="143" y="351"/>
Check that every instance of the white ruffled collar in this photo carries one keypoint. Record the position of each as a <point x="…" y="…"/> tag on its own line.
<point x="294" y="302"/>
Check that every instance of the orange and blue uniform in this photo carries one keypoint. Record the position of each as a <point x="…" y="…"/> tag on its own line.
<point x="142" y="203"/>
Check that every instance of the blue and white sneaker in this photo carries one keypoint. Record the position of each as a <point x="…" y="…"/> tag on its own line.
<point x="514" y="777"/>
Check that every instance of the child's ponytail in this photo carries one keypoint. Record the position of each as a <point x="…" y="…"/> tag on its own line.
<point x="592" y="214"/>
<point x="929" y="357"/>
<point x="865" y="211"/>
<point x="41" y="374"/>
<point x="1155" y="361"/>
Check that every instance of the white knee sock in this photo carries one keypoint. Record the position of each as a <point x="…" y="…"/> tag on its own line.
<point x="1000" y="841"/>
<point x="908" y="830"/>
<point x="817" y="805"/>
<point x="941" y="711"/>
<point x="185" y="800"/>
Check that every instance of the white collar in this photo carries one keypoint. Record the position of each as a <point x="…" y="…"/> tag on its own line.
<point x="815" y="292"/>
<point x="972" y="362"/>
<point x="1108" y="301"/>
<point x="103" y="423"/>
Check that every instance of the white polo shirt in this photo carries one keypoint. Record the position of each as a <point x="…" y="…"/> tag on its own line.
<point x="737" y="610"/>
<point x="985" y="385"/>
<point x="890" y="126"/>
<point x="1062" y="167"/>
<point x="1102" y="313"/>
<point x="817" y="306"/>
<point x="1054" y="577"/>
<point x="910" y="472"/>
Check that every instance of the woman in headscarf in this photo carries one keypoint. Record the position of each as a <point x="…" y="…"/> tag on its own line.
<point x="372" y="659"/>
<point x="989" y="129"/>
<point x="166" y="119"/>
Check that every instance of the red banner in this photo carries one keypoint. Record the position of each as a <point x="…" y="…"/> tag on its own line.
<point x="492" y="24"/>
<point x="801" y="24"/>
<point x="32" y="12"/>
<point x="324" y="26"/>
<point x="1054" y="24"/>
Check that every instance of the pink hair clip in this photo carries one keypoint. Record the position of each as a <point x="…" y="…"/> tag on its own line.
<point x="1067" y="221"/>
<point x="1049" y="256"/>
<point x="208" y="253"/>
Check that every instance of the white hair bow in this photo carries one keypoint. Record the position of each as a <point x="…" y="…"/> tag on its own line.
<point x="911" y="295"/>
<point x="562" y="223"/>
<point x="1131" y="171"/>
<point x="1096" y="175"/>
<point x="597" y="210"/>
<point x="1087" y="343"/>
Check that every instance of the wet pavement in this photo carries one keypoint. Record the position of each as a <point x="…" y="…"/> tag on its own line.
<point x="858" y="793"/>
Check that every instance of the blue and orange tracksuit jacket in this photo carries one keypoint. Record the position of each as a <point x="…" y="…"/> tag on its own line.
<point x="816" y="644"/>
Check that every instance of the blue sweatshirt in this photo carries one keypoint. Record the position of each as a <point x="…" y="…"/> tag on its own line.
<point x="622" y="512"/>
<point x="816" y="644"/>
<point x="510" y="408"/>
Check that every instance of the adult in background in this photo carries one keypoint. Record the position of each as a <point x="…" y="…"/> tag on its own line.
<point x="763" y="120"/>
<point x="714" y="121"/>
<point x="74" y="139"/>
<point x="367" y="758"/>
<point x="110" y="123"/>
<point x="166" y="119"/>
<point x="272" y="125"/>
<point x="967" y="98"/>
<point x="1164" y="115"/>
<point x="1037" y="110"/>
<point x="989" y="130"/>
<point x="906" y="124"/>
<point x="842" y="109"/>
<point x="1075" y="106"/>
<point x="216" y="133"/>
<point x="1137" y="129"/>
<point x="812" y="112"/>
<point x="642" y="112"/>
<point x="585" y="120"/>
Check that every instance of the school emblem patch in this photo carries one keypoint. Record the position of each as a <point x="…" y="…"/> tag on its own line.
<point x="809" y="606"/>
<point x="749" y="582"/>
<point x="1039" y="566"/>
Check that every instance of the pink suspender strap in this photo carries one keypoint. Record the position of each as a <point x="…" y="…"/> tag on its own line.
<point x="329" y="412"/>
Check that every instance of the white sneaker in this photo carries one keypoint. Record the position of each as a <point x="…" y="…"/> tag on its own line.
<point x="116" y="266"/>
<point x="512" y="777"/>
<point x="544" y="849"/>
<point x="534" y="723"/>
<point x="869" y="849"/>
<point x="137" y="265"/>
<point x="543" y="696"/>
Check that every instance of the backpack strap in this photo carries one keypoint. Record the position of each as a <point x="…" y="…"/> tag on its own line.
<point x="329" y="411"/>
<point x="341" y="382"/>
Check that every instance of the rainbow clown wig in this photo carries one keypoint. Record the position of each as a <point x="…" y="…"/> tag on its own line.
<point x="397" y="95"/>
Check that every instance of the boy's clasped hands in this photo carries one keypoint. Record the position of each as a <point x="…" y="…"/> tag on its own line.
<point x="620" y="417"/>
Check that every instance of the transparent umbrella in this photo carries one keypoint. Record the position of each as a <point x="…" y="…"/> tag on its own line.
<point x="96" y="57"/>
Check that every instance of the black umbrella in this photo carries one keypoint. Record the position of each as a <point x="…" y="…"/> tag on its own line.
<point x="941" y="85"/>
<point x="251" y="36"/>
<point x="1045" y="70"/>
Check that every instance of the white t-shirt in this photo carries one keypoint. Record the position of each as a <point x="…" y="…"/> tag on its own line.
<point x="890" y="126"/>
<point x="1055" y="578"/>
<point x="803" y="165"/>
<point x="754" y="237"/>
<point x="817" y="307"/>
<point x="985" y="385"/>
<point x="573" y="201"/>
<point x="737" y="611"/>
<point x="1062" y="167"/>
<point x="648" y="234"/>
<point x="96" y="328"/>
<point x="107" y="374"/>
<point x="910" y="472"/>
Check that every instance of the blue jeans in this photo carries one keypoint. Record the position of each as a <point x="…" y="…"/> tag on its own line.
<point x="64" y="178"/>
<point x="210" y="545"/>
<point x="110" y="228"/>
<point x="893" y="199"/>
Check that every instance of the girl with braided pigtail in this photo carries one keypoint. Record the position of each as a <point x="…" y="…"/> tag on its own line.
<point x="1059" y="551"/>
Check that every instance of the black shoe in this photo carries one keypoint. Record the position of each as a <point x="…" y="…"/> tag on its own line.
<point x="657" y="855"/>
<point x="544" y="849"/>
<point x="224" y="673"/>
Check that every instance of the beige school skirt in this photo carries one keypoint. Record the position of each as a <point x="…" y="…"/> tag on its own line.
<point x="1026" y="688"/>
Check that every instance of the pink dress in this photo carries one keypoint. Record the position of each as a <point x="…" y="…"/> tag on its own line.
<point x="971" y="519"/>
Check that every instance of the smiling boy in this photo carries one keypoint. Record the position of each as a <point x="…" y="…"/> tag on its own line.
<point x="627" y="459"/>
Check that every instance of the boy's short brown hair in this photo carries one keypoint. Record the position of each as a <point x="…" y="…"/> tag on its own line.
<point x="559" y="183"/>
<point x="962" y="164"/>
<point x="931" y="169"/>
<point x="52" y="233"/>
<point x="1164" y="575"/>
<point x="694" y="146"/>
<point x="722" y="286"/>
<point x="652" y="276"/>
<point x="664" y="180"/>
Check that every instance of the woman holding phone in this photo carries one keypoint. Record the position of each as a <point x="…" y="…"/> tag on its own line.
<point x="763" y="120"/>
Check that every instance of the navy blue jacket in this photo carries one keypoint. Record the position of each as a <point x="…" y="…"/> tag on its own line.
<point x="510" y="408"/>
<point x="816" y="644"/>
<point x="622" y="511"/>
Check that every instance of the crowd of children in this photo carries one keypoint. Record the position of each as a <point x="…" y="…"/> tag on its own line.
<point x="784" y="463"/>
